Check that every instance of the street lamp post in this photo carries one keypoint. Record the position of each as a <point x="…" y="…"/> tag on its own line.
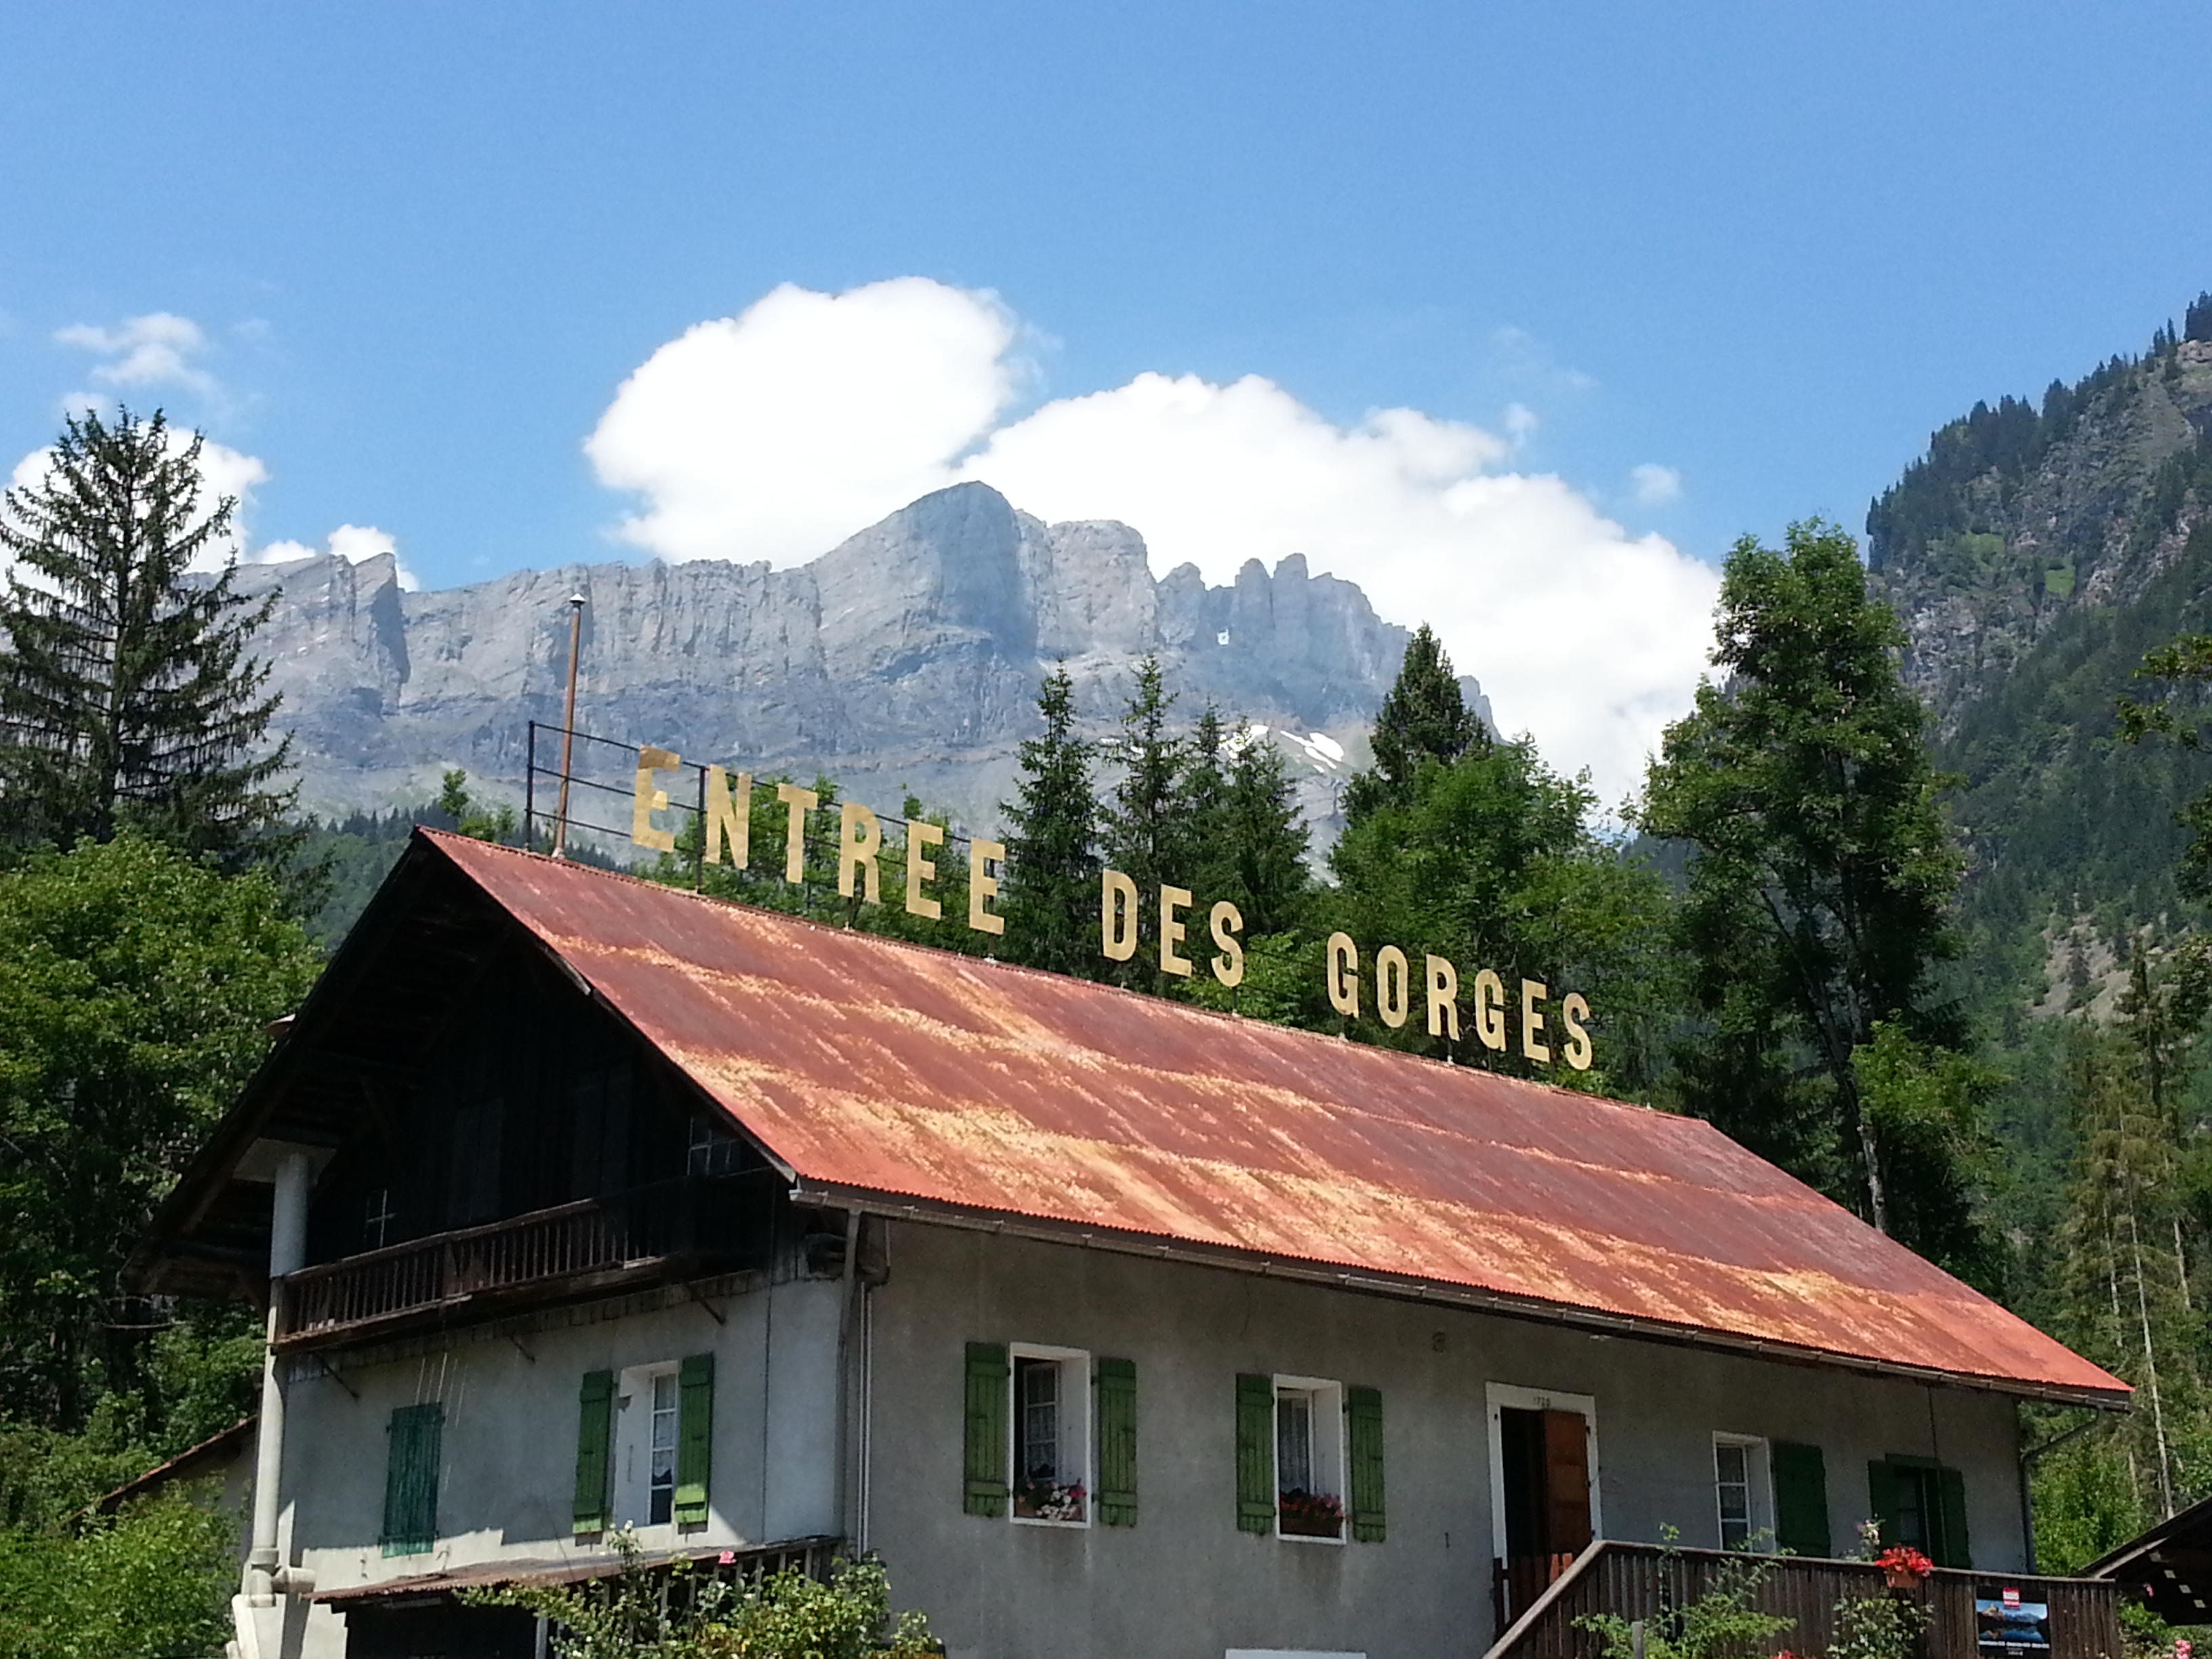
<point x="568" y="726"/>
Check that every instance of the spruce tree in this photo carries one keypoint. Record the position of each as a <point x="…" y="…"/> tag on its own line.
<point x="126" y="694"/>
<point x="1258" y="853"/>
<point x="1051" y="900"/>
<point x="1424" y="717"/>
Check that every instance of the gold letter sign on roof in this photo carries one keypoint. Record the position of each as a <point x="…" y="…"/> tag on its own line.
<point x="1122" y="915"/>
<point x="649" y="800"/>
<point x="729" y="812"/>
<point x="860" y="838"/>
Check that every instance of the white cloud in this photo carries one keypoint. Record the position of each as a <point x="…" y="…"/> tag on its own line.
<point x="355" y="542"/>
<point x="154" y="350"/>
<point x="1655" y="485"/>
<point x="775" y="434"/>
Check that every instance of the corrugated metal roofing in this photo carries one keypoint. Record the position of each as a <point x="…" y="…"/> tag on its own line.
<point x="865" y="1065"/>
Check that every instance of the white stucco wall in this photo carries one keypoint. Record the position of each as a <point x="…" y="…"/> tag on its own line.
<point x="508" y="1463"/>
<point x="1184" y="1583"/>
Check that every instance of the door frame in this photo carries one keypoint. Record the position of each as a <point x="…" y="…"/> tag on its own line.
<point x="1499" y="1396"/>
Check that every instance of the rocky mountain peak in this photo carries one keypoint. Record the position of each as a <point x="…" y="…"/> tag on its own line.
<point x="908" y="656"/>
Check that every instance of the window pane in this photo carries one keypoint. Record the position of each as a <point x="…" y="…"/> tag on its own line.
<point x="661" y="1447"/>
<point x="1912" y="1508"/>
<point x="1038" y="1426"/>
<point x="1732" y="1464"/>
<point x="1294" y="1441"/>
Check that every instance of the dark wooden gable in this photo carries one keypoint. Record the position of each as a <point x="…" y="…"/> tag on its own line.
<point x="446" y="1072"/>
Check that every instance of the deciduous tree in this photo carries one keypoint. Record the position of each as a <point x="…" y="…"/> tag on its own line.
<point x="1822" y="872"/>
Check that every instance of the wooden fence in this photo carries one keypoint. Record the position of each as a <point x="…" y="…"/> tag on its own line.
<point x="1645" y="1582"/>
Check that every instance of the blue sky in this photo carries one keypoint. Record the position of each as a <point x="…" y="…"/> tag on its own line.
<point x="1765" y="248"/>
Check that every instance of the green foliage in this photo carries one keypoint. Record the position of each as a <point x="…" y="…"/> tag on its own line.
<point x="1877" y="1627"/>
<point x="153" y="1583"/>
<point x="1930" y="1110"/>
<point x="470" y="817"/>
<point x="135" y="990"/>
<point x="2086" y="1504"/>
<point x="1051" y="899"/>
<point x="683" y="1612"/>
<point x="127" y="694"/>
<point x="2144" y="1634"/>
<point x="1819" y="895"/>
<point x="1492" y="861"/>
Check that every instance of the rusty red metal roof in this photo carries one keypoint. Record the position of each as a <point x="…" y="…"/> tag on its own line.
<point x="871" y="1067"/>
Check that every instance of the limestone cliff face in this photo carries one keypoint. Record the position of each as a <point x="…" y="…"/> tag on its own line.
<point x="908" y="657"/>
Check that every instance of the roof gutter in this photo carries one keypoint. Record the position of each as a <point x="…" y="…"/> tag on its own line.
<point x="1596" y="1322"/>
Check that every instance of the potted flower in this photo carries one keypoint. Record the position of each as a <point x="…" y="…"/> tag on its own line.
<point x="1310" y="1515"/>
<point x="1042" y="1500"/>
<point x="1904" y="1566"/>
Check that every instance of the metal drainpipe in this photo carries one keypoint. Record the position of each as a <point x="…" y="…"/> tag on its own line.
<point x="848" y="1483"/>
<point x="288" y="1249"/>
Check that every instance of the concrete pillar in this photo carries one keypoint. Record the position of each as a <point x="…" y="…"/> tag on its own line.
<point x="288" y="1252"/>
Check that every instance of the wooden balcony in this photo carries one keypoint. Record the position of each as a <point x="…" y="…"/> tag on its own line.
<point x="1642" y="1581"/>
<point x="698" y="1224"/>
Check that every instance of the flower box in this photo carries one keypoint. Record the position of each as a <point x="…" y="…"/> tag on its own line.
<point x="1310" y="1515"/>
<point x="1044" y="1501"/>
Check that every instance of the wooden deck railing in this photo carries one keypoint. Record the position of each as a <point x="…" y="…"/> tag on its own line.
<point x="1643" y="1581"/>
<point x="630" y="1234"/>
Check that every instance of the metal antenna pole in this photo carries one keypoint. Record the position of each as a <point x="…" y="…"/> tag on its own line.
<point x="568" y="726"/>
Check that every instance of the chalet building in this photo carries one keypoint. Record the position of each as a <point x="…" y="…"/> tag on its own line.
<point x="1114" y="1326"/>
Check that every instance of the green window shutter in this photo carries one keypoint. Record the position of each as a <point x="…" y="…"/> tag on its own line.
<point x="986" y="1445"/>
<point x="1118" y="1442"/>
<point x="1801" y="1500"/>
<point x="1365" y="1407"/>
<point x="695" y="1438"/>
<point x="1255" y="1454"/>
<point x="1881" y="1497"/>
<point x="594" y="1426"/>
<point x="1950" y="1549"/>
<point x="411" y="1478"/>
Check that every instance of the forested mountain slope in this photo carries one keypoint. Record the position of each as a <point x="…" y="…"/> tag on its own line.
<point x="2035" y="554"/>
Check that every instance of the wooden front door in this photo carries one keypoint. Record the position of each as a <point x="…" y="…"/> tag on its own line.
<point x="1545" y="1459"/>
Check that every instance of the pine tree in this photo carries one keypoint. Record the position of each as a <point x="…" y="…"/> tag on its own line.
<point x="1425" y="717"/>
<point x="1051" y="898"/>
<point x="127" y="694"/>
<point x="1149" y="828"/>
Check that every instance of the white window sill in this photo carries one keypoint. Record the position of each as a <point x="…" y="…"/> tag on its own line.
<point x="1336" y="1542"/>
<point x="1083" y="1525"/>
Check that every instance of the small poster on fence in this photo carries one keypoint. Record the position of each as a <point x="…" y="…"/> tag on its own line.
<point x="2004" y="1623"/>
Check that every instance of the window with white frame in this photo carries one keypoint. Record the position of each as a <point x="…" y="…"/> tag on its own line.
<point x="649" y="1414"/>
<point x="1740" y="1494"/>
<point x="1051" y="1423"/>
<point x="1308" y="1458"/>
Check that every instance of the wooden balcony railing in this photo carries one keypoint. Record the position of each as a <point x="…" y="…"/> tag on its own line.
<point x="636" y="1234"/>
<point x="1643" y="1581"/>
